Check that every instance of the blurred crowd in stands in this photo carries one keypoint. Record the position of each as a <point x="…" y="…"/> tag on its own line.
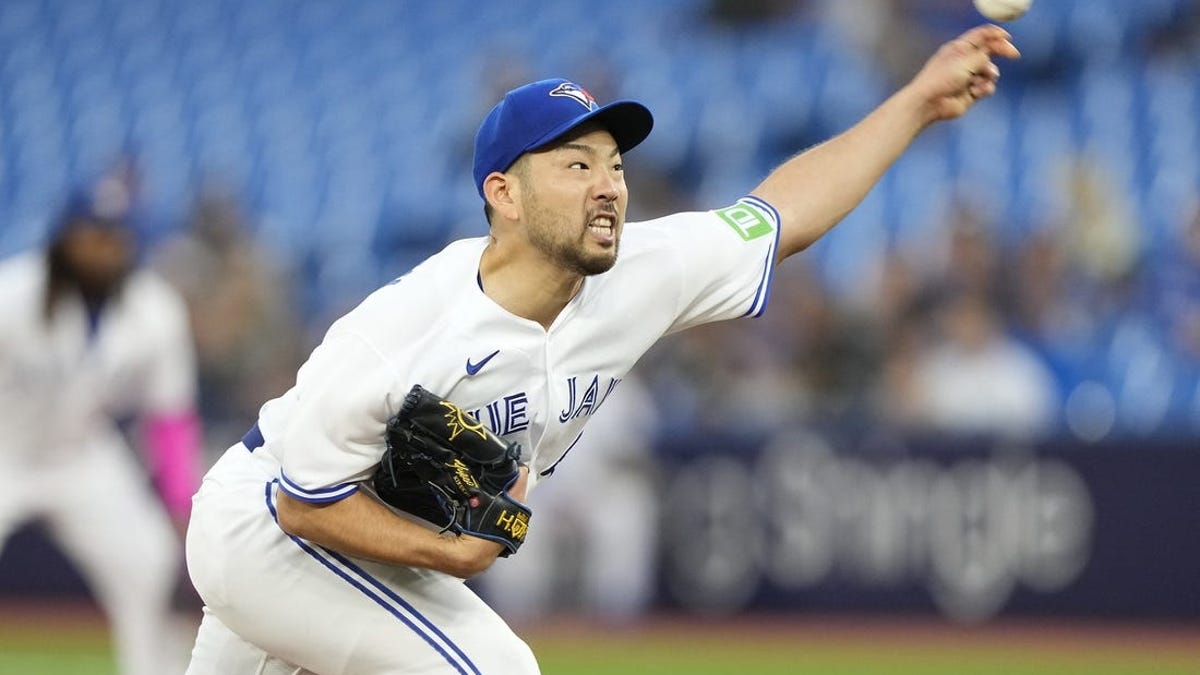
<point x="1060" y="298"/>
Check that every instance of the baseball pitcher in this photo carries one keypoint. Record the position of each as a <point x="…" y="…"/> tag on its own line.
<point x="333" y="539"/>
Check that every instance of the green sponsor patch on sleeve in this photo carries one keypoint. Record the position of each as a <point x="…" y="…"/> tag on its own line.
<point x="746" y="221"/>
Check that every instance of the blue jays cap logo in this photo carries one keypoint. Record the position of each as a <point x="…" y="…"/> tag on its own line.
<point x="577" y="94"/>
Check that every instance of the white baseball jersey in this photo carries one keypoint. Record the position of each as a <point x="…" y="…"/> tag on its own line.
<point x="436" y="327"/>
<point x="63" y="382"/>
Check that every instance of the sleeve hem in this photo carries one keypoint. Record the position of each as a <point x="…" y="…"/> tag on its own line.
<point x="319" y="495"/>
<point x="763" y="293"/>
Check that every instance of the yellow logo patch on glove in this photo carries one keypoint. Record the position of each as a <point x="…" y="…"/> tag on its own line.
<point x="458" y="421"/>
<point x="516" y="524"/>
<point x="463" y="478"/>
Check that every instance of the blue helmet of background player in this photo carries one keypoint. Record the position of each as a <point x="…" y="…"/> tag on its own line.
<point x="536" y="114"/>
<point x="88" y="254"/>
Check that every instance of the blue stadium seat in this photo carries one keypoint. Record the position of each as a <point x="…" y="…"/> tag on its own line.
<point x="917" y="192"/>
<point x="1142" y="373"/>
<point x="349" y="125"/>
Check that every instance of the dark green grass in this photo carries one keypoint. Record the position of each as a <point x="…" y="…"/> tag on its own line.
<point x="762" y="648"/>
<point x="677" y="656"/>
<point x="35" y="650"/>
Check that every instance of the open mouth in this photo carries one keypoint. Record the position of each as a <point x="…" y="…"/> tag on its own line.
<point x="603" y="229"/>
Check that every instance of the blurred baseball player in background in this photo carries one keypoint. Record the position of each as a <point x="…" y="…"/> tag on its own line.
<point x="530" y="328"/>
<point x="88" y="341"/>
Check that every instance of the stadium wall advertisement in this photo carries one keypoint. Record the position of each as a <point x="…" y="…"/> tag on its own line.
<point x="800" y="521"/>
<point x="807" y="521"/>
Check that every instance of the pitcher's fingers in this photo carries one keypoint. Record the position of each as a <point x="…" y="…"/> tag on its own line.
<point x="981" y="88"/>
<point x="1003" y="48"/>
<point x="993" y="40"/>
<point x="985" y="32"/>
<point x="978" y="63"/>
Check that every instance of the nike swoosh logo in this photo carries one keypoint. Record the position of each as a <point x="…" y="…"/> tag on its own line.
<point x="473" y="368"/>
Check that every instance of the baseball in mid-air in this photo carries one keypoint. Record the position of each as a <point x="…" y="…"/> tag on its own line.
<point x="1003" y="10"/>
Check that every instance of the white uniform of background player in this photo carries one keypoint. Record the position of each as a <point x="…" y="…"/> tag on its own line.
<point x="65" y="378"/>
<point x="280" y="604"/>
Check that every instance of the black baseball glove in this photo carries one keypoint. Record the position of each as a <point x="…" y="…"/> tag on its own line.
<point x="444" y="466"/>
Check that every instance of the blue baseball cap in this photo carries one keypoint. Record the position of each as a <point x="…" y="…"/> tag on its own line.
<point x="538" y="113"/>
